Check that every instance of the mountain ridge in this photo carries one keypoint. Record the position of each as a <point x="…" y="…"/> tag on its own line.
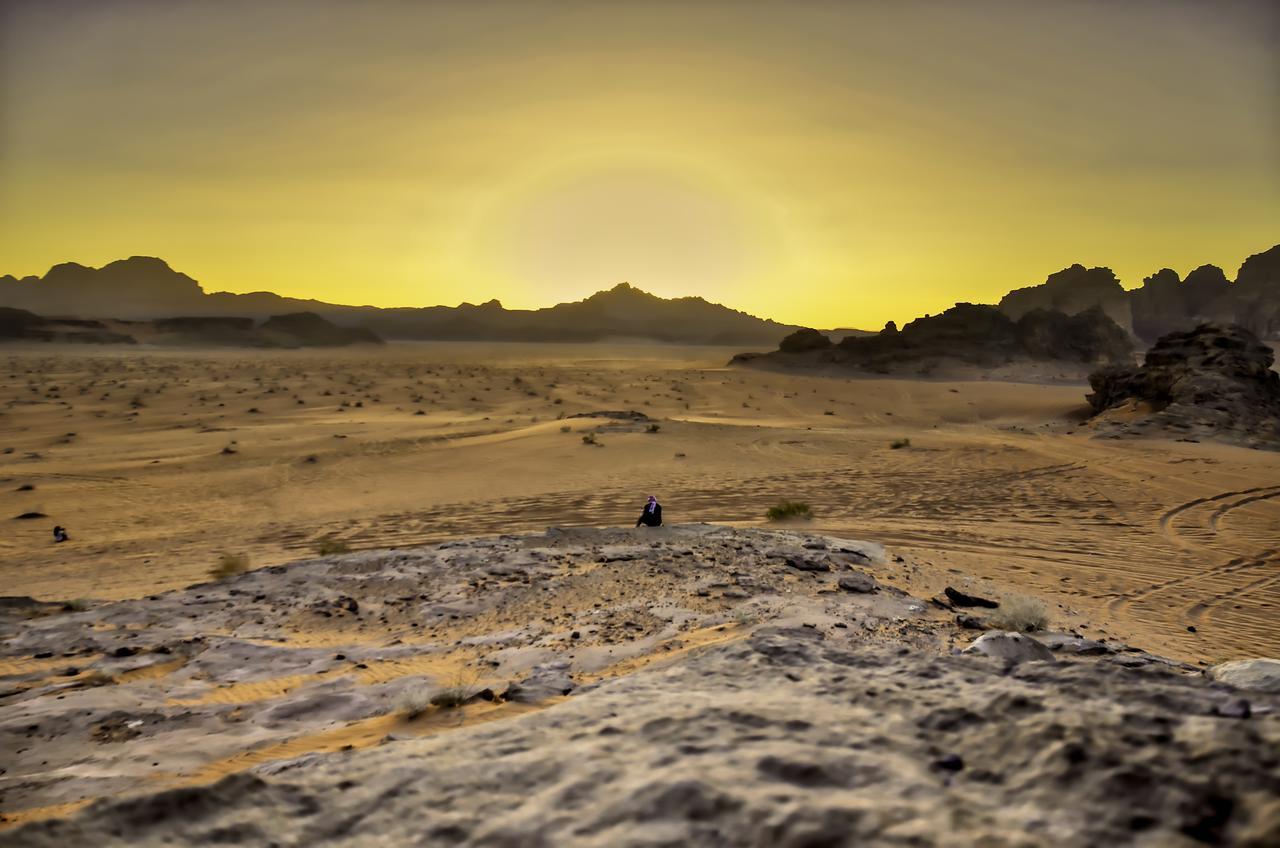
<point x="146" y="288"/>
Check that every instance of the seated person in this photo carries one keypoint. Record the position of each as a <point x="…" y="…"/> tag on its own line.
<point x="652" y="514"/>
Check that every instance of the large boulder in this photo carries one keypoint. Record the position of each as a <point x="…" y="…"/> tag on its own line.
<point x="1007" y="645"/>
<point x="1260" y="674"/>
<point x="1215" y="380"/>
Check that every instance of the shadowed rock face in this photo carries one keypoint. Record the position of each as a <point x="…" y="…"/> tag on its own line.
<point x="1164" y="303"/>
<point x="967" y="333"/>
<point x="1072" y="290"/>
<point x="21" y="325"/>
<point x="310" y="330"/>
<point x="1215" y="380"/>
<point x="804" y="340"/>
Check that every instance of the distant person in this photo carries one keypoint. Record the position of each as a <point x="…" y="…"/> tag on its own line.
<point x="60" y="534"/>
<point x="652" y="514"/>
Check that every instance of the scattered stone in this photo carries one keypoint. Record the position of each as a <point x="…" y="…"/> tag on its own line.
<point x="1235" y="708"/>
<point x="806" y="563"/>
<point x="1261" y="674"/>
<point x="857" y="582"/>
<point x="1067" y="643"/>
<point x="961" y="599"/>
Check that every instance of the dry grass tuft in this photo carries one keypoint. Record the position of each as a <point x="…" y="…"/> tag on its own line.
<point x="330" y="546"/>
<point x="229" y="565"/>
<point x="413" y="702"/>
<point x="789" y="509"/>
<point x="1020" y="613"/>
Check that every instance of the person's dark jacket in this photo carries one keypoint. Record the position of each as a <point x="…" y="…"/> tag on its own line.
<point x="651" y="517"/>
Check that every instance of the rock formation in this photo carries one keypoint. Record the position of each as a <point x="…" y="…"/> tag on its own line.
<point x="1164" y="302"/>
<point x="307" y="329"/>
<point x="24" y="326"/>
<point x="1073" y="290"/>
<point x="965" y="335"/>
<point x="1212" y="381"/>
<point x="295" y="330"/>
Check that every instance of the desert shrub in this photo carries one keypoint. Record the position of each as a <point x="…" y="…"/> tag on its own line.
<point x="566" y="429"/>
<point x="898" y="444"/>
<point x="789" y="509"/>
<point x="75" y="605"/>
<point x="451" y="697"/>
<point x="330" y="546"/>
<point x="413" y="701"/>
<point x="1020" y="613"/>
<point x="590" y="439"/>
<point x="229" y="565"/>
<point x="653" y="428"/>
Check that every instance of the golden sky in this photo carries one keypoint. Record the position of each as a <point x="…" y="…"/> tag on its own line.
<point x="822" y="163"/>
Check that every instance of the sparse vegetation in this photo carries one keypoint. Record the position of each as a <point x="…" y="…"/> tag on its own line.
<point x="413" y="701"/>
<point x="1020" y="613"/>
<point x="899" y="444"/>
<point x="789" y="509"/>
<point x="329" y="546"/>
<point x="75" y="605"/>
<point x="590" y="439"/>
<point x="653" y="428"/>
<point x="229" y="565"/>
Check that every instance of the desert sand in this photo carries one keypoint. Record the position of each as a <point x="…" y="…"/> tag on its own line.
<point x="1154" y="558"/>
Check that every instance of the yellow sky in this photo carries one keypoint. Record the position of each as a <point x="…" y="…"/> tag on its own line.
<point x="831" y="164"/>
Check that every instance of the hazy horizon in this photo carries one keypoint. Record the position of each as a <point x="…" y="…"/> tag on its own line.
<point x="826" y="164"/>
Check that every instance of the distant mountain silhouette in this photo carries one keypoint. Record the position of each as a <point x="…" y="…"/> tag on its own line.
<point x="298" y="329"/>
<point x="144" y="287"/>
<point x="1164" y="303"/>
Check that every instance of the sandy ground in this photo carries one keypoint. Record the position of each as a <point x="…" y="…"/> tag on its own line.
<point x="160" y="461"/>
<point x="720" y="682"/>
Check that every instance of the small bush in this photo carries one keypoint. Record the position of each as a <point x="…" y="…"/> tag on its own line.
<point x="413" y="702"/>
<point x="75" y="605"/>
<point x="1019" y="613"/>
<point x="450" y="698"/>
<point x="899" y="444"/>
<point x="566" y="429"/>
<point x="328" y="547"/>
<point x="653" y="428"/>
<point x="590" y="439"/>
<point x="229" y="565"/>
<point x="789" y="509"/>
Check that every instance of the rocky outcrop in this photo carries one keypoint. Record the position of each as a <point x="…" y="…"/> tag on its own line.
<point x="19" y="325"/>
<point x="1262" y="675"/>
<point x="1070" y="291"/>
<point x="804" y="340"/>
<point x="1165" y="303"/>
<point x="1212" y="381"/>
<point x="1257" y="293"/>
<point x="965" y="335"/>
<point x="307" y="329"/>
